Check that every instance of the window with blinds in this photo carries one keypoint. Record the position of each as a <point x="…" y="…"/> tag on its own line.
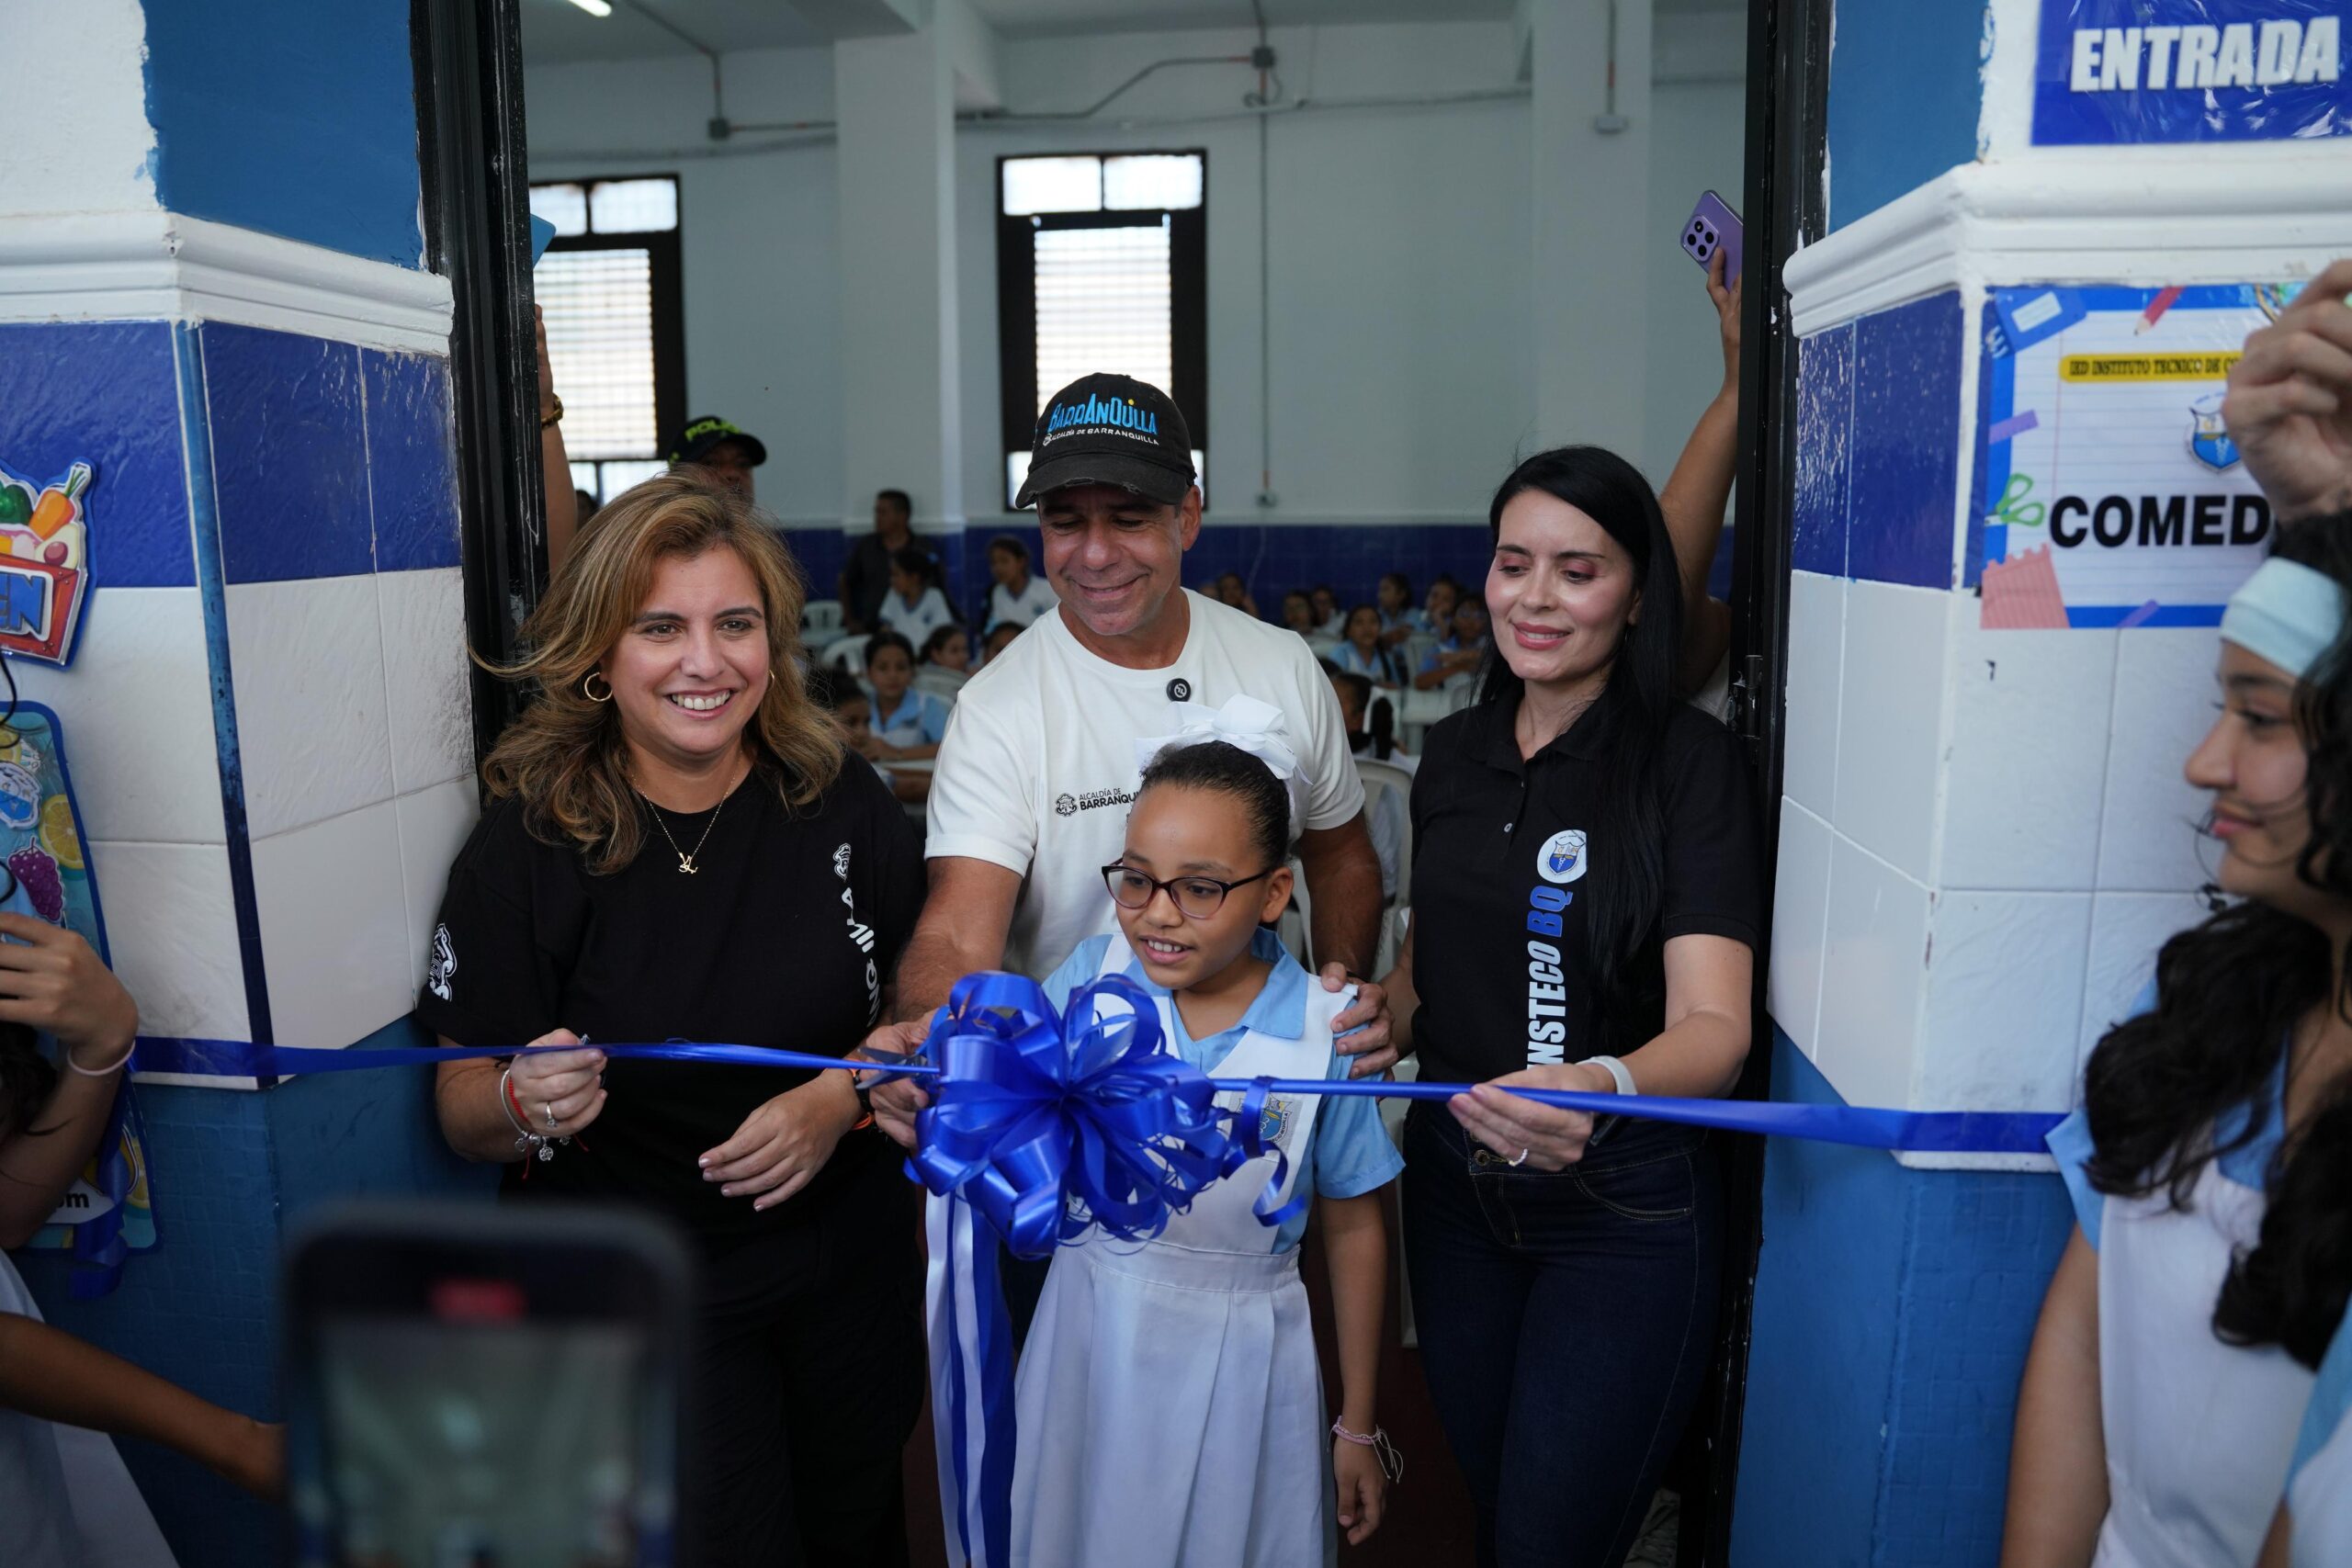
<point x="608" y="291"/>
<point x="1100" y="268"/>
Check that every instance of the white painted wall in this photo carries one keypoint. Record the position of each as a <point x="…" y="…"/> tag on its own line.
<point x="1400" y="265"/>
<point x="74" y="131"/>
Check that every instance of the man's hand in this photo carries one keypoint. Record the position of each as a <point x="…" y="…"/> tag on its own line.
<point x="2289" y="403"/>
<point x="1365" y="1030"/>
<point x="50" y="980"/>
<point x="897" y="1102"/>
<point x="784" y="1143"/>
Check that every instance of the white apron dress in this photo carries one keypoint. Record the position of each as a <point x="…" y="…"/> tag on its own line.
<point x="65" y="1499"/>
<point x="1171" y="1409"/>
<point x="2199" y="1433"/>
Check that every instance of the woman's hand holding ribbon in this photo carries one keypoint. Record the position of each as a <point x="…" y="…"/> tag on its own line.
<point x="558" y="1083"/>
<point x="897" y="1102"/>
<point x="1553" y="1139"/>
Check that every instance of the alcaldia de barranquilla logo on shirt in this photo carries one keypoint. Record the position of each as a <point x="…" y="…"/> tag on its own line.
<point x="1067" y="805"/>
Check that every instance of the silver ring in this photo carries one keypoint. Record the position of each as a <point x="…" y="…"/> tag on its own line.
<point x="549" y="1111"/>
<point x="1521" y="1161"/>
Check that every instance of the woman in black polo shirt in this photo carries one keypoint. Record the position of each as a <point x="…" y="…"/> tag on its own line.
<point x="1584" y="918"/>
<point x="677" y="847"/>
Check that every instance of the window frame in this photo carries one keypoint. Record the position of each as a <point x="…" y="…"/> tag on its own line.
<point x="664" y="264"/>
<point x="1016" y="273"/>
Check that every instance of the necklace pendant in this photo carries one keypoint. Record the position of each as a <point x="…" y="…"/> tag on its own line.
<point x="687" y="865"/>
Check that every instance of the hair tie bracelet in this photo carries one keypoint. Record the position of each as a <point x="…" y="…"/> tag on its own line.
<point x="110" y="1068"/>
<point x="1391" y="1463"/>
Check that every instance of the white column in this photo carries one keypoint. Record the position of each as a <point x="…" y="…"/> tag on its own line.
<point x="901" y="404"/>
<point x="1590" y="220"/>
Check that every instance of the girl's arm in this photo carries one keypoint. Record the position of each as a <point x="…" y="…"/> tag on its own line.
<point x="1355" y="1245"/>
<point x="1699" y="1056"/>
<point x="52" y="981"/>
<point x="2058" y="1460"/>
<point x="52" y="1375"/>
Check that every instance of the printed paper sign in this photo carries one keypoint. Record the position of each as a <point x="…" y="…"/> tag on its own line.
<point x="2111" y="495"/>
<point x="2129" y="70"/>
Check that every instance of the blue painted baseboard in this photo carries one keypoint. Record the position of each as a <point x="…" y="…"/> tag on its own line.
<point x="1893" y="1312"/>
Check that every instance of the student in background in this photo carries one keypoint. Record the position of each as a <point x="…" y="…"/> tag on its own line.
<point x="948" y="647"/>
<point x="999" y="637"/>
<point x="1362" y="653"/>
<point x="2210" y="1164"/>
<point x="1329" y="621"/>
<point x="1394" y="599"/>
<point x="907" y="723"/>
<point x="1461" y="651"/>
<point x="1299" y="612"/>
<point x="1437" y="610"/>
<point x="1017" y="598"/>
<point x="913" y="608"/>
<point x="866" y="576"/>
<point x="1231" y="590"/>
<point x="840" y="694"/>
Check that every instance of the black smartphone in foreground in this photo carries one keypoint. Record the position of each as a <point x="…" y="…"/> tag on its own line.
<point x="470" y="1386"/>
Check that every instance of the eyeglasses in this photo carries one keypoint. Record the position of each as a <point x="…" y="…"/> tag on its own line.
<point x="1196" y="898"/>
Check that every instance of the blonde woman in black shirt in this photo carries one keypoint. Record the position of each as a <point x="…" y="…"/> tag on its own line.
<point x="1585" y="913"/>
<point x="679" y="847"/>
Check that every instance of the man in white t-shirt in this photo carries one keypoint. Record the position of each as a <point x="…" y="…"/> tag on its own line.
<point x="1029" y="799"/>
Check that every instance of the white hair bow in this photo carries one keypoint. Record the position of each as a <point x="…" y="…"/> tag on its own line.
<point x="1256" y="728"/>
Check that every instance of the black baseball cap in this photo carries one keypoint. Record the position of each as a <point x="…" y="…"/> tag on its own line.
<point x="700" y="435"/>
<point x="1110" y="430"/>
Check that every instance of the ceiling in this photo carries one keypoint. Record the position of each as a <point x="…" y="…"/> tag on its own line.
<point x="556" y="30"/>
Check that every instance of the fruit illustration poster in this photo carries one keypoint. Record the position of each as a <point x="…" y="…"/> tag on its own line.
<point x="48" y="877"/>
<point x="2110" y="495"/>
<point x="44" y="563"/>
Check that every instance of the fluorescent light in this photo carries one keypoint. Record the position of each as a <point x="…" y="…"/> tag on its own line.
<point x="595" y="8"/>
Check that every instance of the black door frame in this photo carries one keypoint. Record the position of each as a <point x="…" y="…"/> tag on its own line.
<point x="1788" y="84"/>
<point x="476" y="178"/>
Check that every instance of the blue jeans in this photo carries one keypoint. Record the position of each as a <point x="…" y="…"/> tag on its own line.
<point x="1567" y="1322"/>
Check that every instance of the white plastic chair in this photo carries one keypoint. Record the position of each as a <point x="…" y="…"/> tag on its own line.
<point x="820" y="618"/>
<point x="1322" y="646"/>
<point x="847" y="654"/>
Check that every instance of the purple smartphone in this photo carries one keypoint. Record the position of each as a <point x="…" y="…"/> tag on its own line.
<point x="1712" y="226"/>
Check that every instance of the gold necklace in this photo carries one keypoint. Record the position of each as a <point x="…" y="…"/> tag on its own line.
<point x="686" y="857"/>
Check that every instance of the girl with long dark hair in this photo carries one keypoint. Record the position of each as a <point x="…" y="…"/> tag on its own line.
<point x="2210" y="1164"/>
<point x="1585" y="882"/>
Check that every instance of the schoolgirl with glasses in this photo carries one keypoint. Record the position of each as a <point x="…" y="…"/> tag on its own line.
<point x="1171" y="1410"/>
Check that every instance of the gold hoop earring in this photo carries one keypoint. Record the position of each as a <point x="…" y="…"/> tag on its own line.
<point x="596" y="675"/>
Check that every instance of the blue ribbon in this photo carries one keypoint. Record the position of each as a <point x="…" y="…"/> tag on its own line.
<point x="1050" y="1125"/>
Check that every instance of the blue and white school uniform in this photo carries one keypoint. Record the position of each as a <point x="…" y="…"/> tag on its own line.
<point x="1022" y="609"/>
<point x="920" y="719"/>
<point x="917" y="621"/>
<point x="2199" y="1433"/>
<point x="1381" y="668"/>
<point x="2319" y="1479"/>
<point x="1170" y="1411"/>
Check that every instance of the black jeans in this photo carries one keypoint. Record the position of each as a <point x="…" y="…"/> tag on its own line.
<point x="1566" y="1321"/>
<point x="808" y="1376"/>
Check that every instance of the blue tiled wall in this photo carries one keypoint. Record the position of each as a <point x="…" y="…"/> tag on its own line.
<point x="290" y="117"/>
<point x="103" y="393"/>
<point x="232" y="1169"/>
<point x="1904" y="91"/>
<point x="1893" y="1312"/>
<point x="1878" y="446"/>
<point x="374" y="488"/>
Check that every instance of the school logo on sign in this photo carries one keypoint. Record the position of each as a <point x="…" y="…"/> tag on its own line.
<point x="1562" y="859"/>
<point x="2208" y="439"/>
